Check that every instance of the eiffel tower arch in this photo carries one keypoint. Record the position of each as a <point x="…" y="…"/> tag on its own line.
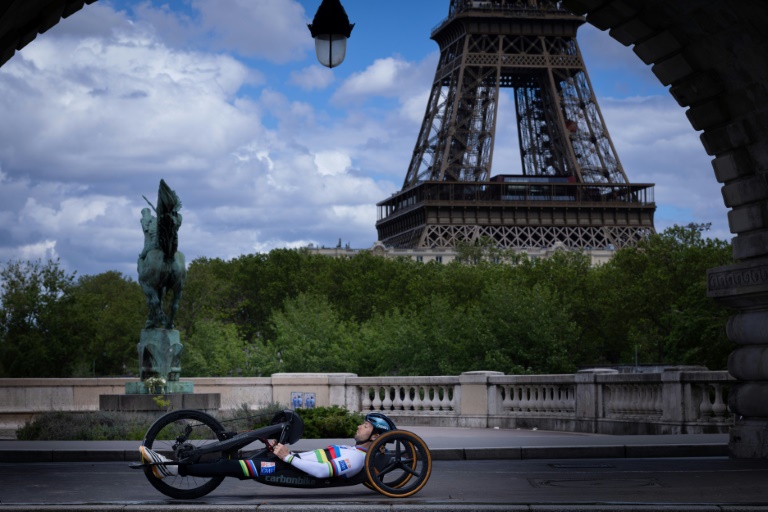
<point x="570" y="187"/>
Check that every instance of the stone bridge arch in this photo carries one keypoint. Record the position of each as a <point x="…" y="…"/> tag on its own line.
<point x="713" y="55"/>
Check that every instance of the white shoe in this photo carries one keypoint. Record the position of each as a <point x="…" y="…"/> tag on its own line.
<point x="159" y="470"/>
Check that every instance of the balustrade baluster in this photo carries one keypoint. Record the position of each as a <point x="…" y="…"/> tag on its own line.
<point x="536" y="399"/>
<point x="434" y="403"/>
<point x="515" y="392"/>
<point x="544" y="400"/>
<point x="502" y="395"/>
<point x="419" y="399"/>
<point x="645" y="400"/>
<point x="397" y="403"/>
<point x="365" y="392"/>
<point x="560" y="399"/>
<point x="705" y="406"/>
<point x="386" y="404"/>
<point x="655" y="400"/>
<point x="609" y="395"/>
<point x="551" y="400"/>
<point x="376" y="403"/>
<point x="719" y="407"/>
<point x="408" y="401"/>
<point x="609" y="398"/>
<point x="525" y="399"/>
<point x="659" y="401"/>
<point x="622" y="402"/>
<point x="626" y="400"/>
<point x="445" y="403"/>
<point x="636" y="401"/>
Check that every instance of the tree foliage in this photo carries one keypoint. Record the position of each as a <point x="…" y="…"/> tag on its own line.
<point x="33" y="297"/>
<point x="292" y="311"/>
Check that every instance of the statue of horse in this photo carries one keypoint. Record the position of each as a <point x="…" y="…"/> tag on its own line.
<point x="161" y="266"/>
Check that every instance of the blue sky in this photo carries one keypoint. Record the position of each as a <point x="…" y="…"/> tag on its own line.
<point x="224" y="100"/>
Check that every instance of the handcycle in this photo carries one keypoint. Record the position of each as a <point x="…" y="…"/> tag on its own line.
<point x="397" y="464"/>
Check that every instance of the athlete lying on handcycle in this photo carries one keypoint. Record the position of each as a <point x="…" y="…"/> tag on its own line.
<point x="394" y="462"/>
<point x="333" y="461"/>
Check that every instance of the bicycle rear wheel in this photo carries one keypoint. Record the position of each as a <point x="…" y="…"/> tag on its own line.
<point x="175" y="435"/>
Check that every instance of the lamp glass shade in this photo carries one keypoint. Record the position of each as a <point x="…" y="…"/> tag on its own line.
<point x="331" y="49"/>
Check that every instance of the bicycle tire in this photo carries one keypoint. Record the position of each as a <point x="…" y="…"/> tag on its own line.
<point x="398" y="464"/>
<point x="165" y="436"/>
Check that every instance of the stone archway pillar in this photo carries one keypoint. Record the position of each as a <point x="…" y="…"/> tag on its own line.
<point x="711" y="54"/>
<point x="744" y="287"/>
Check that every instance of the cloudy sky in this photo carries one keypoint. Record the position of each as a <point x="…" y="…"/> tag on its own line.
<point x="224" y="99"/>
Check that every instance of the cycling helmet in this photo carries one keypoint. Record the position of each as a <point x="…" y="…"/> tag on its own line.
<point x="380" y="422"/>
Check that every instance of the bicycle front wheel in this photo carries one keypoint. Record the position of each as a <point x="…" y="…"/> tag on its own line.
<point x="175" y="435"/>
<point x="398" y="464"/>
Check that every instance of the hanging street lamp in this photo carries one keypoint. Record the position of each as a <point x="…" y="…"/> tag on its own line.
<point x="330" y="28"/>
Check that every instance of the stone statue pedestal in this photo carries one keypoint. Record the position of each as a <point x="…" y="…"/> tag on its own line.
<point x="145" y="403"/>
<point x="160" y="354"/>
<point x="171" y="387"/>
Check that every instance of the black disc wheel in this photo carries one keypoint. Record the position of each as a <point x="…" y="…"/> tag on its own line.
<point x="175" y="435"/>
<point x="398" y="464"/>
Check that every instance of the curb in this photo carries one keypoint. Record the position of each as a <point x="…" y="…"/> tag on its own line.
<point x="448" y="454"/>
<point x="425" y="507"/>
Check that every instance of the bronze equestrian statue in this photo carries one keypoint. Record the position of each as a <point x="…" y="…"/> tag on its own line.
<point x="161" y="266"/>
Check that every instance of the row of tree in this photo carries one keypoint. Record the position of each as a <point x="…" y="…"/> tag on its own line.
<point x="292" y="311"/>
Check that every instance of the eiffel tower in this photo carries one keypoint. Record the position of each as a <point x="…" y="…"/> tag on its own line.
<point x="571" y="187"/>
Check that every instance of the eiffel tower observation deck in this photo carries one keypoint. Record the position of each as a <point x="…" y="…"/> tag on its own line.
<point x="570" y="187"/>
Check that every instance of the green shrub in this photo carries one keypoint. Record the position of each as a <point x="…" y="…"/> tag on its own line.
<point x="322" y="422"/>
<point x="245" y="418"/>
<point x="329" y="422"/>
<point x="85" y="426"/>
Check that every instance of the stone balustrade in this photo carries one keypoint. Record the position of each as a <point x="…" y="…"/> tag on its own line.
<point x="668" y="402"/>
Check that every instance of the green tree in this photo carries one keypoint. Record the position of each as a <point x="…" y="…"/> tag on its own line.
<point x="104" y="316"/>
<point x="417" y="342"/>
<point x="214" y="349"/>
<point x="210" y="293"/>
<point x="310" y="337"/>
<point x="360" y="287"/>
<point x="655" y="300"/>
<point x="531" y="330"/>
<point x="485" y="249"/>
<point x="32" y="298"/>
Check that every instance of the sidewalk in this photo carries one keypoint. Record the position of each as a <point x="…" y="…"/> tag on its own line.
<point x="444" y="443"/>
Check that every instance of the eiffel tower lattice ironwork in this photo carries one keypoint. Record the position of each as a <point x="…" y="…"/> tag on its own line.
<point x="571" y="188"/>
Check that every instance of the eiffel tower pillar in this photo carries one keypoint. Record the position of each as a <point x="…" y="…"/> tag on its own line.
<point x="570" y="187"/>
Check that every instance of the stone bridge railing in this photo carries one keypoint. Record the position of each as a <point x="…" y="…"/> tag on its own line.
<point x="659" y="403"/>
<point x="669" y="402"/>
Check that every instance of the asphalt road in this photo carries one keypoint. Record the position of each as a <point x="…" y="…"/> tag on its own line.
<point x="664" y="482"/>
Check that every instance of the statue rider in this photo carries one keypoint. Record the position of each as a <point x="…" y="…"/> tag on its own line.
<point x="149" y="226"/>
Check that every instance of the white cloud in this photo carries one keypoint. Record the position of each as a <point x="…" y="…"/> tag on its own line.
<point x="332" y="163"/>
<point x="380" y="78"/>
<point x="656" y="144"/>
<point x="44" y="250"/>
<point x="95" y="105"/>
<point x="312" y="78"/>
<point x="272" y="29"/>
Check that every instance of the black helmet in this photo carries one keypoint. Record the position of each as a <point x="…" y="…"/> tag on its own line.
<point x="380" y="422"/>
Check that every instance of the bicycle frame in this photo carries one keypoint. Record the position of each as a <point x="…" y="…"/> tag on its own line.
<point x="236" y="442"/>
